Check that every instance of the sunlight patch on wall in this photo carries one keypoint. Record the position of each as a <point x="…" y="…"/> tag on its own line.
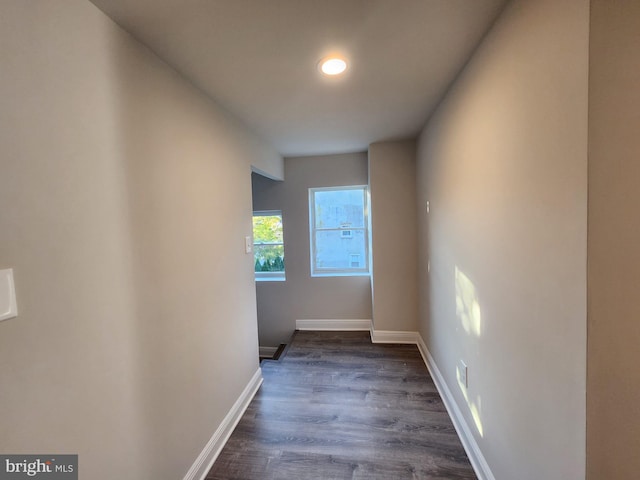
<point x="475" y="407"/>
<point x="470" y="316"/>
<point x="467" y="305"/>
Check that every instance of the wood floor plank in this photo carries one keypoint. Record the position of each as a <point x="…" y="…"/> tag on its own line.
<point x="338" y="407"/>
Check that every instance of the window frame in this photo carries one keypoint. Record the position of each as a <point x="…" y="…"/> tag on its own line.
<point x="366" y="229"/>
<point x="269" y="276"/>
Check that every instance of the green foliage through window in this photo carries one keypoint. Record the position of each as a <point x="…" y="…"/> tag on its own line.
<point x="268" y="243"/>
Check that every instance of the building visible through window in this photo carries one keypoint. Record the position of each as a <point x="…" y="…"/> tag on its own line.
<point x="268" y="245"/>
<point x="339" y="231"/>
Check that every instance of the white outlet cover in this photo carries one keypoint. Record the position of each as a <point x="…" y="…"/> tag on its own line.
<point x="462" y="373"/>
<point x="8" y="304"/>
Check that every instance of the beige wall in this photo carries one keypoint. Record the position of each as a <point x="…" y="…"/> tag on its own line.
<point x="125" y="200"/>
<point x="613" y="382"/>
<point x="301" y="296"/>
<point x="503" y="163"/>
<point x="392" y="167"/>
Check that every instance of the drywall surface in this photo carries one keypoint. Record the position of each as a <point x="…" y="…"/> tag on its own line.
<point x="392" y="167"/>
<point x="125" y="198"/>
<point x="503" y="163"/>
<point x="613" y="382"/>
<point x="301" y="296"/>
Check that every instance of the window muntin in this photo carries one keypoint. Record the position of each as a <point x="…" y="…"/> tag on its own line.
<point x="339" y="234"/>
<point x="268" y="245"/>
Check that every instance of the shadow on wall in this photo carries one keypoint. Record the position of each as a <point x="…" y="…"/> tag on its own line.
<point x="470" y="316"/>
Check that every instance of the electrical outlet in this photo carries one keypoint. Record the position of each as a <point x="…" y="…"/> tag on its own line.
<point x="462" y="374"/>
<point x="8" y="304"/>
<point x="427" y="206"/>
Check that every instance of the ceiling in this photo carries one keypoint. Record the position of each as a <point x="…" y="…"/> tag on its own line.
<point x="258" y="59"/>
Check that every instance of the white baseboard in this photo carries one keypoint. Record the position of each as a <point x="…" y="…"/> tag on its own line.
<point x="389" y="336"/>
<point x="469" y="443"/>
<point x="205" y="460"/>
<point x="334" y="325"/>
<point x="212" y="449"/>
<point x="267" y="351"/>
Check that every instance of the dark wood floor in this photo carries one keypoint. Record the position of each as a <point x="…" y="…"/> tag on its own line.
<point x="336" y="406"/>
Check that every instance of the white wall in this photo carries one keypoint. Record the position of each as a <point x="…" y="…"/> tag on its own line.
<point x="503" y="162"/>
<point x="613" y="387"/>
<point x="304" y="297"/>
<point x="125" y="200"/>
<point x="394" y="238"/>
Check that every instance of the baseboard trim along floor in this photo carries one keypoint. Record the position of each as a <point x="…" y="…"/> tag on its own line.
<point x="479" y="463"/>
<point x="388" y="336"/>
<point x="474" y="453"/>
<point x="216" y="443"/>
<point x="213" y="448"/>
<point x="267" y="351"/>
<point x="336" y="325"/>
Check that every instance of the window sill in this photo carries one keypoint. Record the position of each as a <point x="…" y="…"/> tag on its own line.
<point x="270" y="278"/>
<point x="341" y="274"/>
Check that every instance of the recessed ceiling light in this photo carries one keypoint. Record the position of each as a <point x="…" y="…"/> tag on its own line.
<point x="333" y="66"/>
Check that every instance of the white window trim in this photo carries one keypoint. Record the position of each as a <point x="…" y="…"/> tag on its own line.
<point x="342" y="272"/>
<point x="270" y="276"/>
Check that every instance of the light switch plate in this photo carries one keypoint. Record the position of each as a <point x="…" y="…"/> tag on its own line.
<point x="248" y="245"/>
<point x="8" y="304"/>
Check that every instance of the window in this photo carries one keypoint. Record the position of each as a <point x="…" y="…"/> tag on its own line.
<point x="339" y="231"/>
<point x="268" y="245"/>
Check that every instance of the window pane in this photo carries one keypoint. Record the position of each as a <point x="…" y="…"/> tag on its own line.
<point x="339" y="208"/>
<point x="336" y="251"/>
<point x="268" y="248"/>
<point x="269" y="258"/>
<point x="267" y="229"/>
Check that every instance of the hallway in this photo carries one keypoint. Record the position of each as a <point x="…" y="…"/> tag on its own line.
<point x="337" y="406"/>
